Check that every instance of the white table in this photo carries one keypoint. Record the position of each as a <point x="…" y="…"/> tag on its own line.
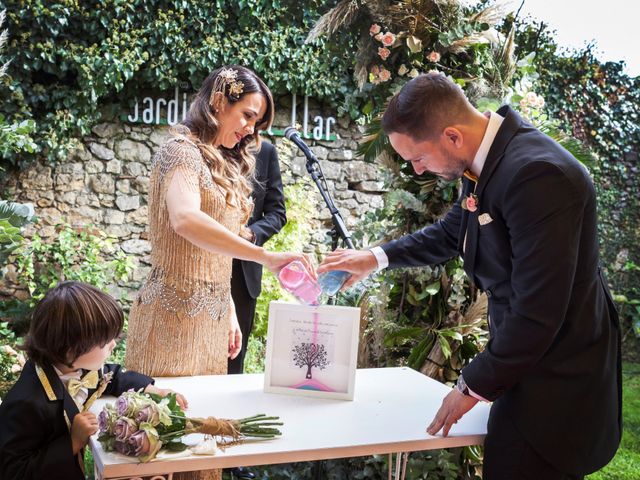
<point x="390" y="413"/>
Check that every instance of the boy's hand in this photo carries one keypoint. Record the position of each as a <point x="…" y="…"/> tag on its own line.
<point x="84" y="425"/>
<point x="163" y="392"/>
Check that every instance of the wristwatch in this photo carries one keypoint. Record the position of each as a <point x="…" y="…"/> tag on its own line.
<point x="461" y="386"/>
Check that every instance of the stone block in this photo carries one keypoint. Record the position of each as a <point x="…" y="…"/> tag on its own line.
<point x="128" y="202"/>
<point x="37" y="177"/>
<point x="331" y="170"/>
<point x="114" y="166"/>
<point x="103" y="183"/>
<point x="113" y="217"/>
<point x="139" y="216"/>
<point x="107" y="130"/>
<point x="135" y="246"/>
<point x="320" y="152"/>
<point x="141" y="184"/>
<point x="94" y="166"/>
<point x="66" y="182"/>
<point x="159" y="135"/>
<point x="100" y="151"/>
<point x="132" y="151"/>
<point x="123" y="186"/>
<point x="136" y="169"/>
<point x="341" y="154"/>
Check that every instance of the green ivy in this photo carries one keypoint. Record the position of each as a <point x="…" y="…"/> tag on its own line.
<point x="71" y="59"/>
<point x="73" y="254"/>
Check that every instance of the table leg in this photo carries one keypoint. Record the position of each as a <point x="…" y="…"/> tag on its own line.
<point x="401" y="459"/>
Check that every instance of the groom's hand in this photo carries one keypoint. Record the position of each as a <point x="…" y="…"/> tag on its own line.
<point x="359" y="263"/>
<point x="453" y="407"/>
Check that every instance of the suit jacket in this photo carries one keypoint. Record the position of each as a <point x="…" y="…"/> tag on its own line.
<point x="35" y="438"/>
<point x="553" y="359"/>
<point x="269" y="213"/>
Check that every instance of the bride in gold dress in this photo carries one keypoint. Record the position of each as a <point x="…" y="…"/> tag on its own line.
<point x="183" y="321"/>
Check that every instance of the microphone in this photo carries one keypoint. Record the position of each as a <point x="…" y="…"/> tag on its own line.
<point x="292" y="134"/>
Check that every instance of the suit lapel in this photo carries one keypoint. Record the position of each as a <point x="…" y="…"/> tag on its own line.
<point x="510" y="125"/>
<point x="467" y="188"/>
<point x="55" y="391"/>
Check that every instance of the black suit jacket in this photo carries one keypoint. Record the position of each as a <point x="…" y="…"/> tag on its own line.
<point x="269" y="213"/>
<point x="35" y="440"/>
<point x="553" y="359"/>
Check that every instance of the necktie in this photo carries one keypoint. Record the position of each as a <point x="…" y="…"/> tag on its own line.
<point x="468" y="174"/>
<point x="89" y="381"/>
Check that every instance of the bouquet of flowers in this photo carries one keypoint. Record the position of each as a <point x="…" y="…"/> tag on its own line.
<point x="140" y="424"/>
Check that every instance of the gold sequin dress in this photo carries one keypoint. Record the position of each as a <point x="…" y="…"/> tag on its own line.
<point x="179" y="324"/>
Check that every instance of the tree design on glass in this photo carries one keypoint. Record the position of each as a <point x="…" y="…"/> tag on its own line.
<point x="310" y="355"/>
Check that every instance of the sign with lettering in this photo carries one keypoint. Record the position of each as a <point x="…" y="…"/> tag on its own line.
<point x="170" y="111"/>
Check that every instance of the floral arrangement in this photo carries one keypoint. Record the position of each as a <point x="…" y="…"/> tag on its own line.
<point x="140" y="424"/>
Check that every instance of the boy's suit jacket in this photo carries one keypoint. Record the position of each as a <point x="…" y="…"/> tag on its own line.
<point x="553" y="359"/>
<point x="35" y="440"/>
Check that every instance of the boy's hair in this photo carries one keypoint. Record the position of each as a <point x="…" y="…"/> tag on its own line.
<point x="69" y="321"/>
<point x="425" y="106"/>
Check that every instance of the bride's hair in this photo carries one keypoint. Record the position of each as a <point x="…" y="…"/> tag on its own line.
<point x="232" y="168"/>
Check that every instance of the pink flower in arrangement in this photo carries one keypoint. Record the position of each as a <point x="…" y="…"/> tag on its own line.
<point x="374" y="29"/>
<point x="385" y="75"/>
<point x="388" y="39"/>
<point x="384" y="53"/>
<point x="378" y="36"/>
<point x="433" y="57"/>
<point x="375" y="70"/>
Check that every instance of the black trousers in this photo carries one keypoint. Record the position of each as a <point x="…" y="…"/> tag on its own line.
<point x="245" y="310"/>
<point x="508" y="456"/>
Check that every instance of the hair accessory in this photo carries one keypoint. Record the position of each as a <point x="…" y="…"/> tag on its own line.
<point x="227" y="77"/>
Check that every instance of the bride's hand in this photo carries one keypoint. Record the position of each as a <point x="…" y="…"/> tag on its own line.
<point x="275" y="261"/>
<point x="235" y="337"/>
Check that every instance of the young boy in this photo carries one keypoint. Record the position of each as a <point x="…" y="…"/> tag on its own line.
<point x="43" y="425"/>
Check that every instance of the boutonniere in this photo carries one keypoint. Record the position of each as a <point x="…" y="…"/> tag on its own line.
<point x="470" y="202"/>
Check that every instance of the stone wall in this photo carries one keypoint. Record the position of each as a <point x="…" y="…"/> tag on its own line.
<point x="105" y="183"/>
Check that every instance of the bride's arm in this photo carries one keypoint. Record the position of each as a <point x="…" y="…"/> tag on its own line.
<point x="191" y="223"/>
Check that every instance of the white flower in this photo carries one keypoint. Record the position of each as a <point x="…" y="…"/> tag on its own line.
<point x="413" y="73"/>
<point x="402" y="70"/>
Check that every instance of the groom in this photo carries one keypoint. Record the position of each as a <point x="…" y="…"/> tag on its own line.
<point x="525" y="226"/>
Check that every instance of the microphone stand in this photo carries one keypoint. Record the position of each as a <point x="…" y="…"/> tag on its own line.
<point x="339" y="230"/>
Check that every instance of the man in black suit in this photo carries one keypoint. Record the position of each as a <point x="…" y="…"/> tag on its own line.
<point x="525" y="226"/>
<point x="268" y="218"/>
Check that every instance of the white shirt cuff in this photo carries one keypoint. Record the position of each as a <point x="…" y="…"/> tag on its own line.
<point x="476" y="396"/>
<point x="381" y="258"/>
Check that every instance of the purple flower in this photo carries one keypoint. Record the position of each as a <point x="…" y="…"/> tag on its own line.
<point x="124" y="427"/>
<point x="149" y="414"/>
<point x="140" y="443"/>
<point x="124" y="448"/>
<point x="106" y="419"/>
<point x="145" y="442"/>
<point x="122" y="404"/>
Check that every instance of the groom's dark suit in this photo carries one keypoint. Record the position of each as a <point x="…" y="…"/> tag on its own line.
<point x="267" y="219"/>
<point x="552" y="364"/>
